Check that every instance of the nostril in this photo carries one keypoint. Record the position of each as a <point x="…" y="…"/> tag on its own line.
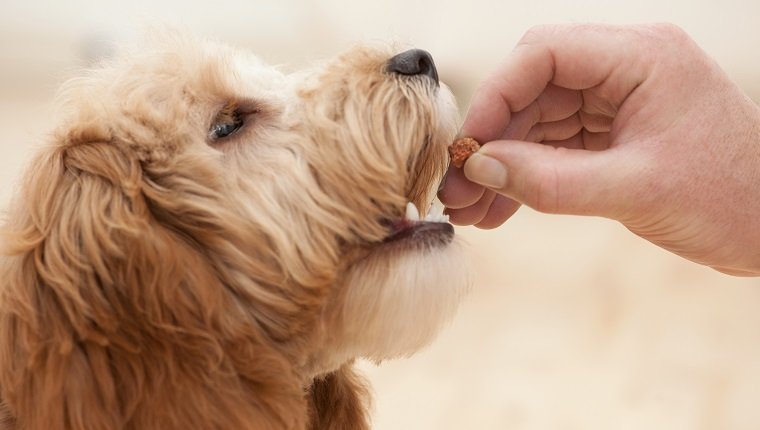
<point x="413" y="62"/>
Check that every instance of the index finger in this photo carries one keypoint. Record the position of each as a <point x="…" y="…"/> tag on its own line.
<point x="578" y="57"/>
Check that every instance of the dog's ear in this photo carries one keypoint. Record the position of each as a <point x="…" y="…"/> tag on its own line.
<point x="339" y="401"/>
<point x="59" y="288"/>
<point x="106" y="309"/>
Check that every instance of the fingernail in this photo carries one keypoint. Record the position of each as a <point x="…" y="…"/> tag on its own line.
<point x="486" y="171"/>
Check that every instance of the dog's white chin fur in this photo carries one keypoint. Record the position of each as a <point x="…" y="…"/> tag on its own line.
<point x="396" y="305"/>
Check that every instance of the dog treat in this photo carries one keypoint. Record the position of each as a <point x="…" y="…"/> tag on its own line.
<point x="461" y="150"/>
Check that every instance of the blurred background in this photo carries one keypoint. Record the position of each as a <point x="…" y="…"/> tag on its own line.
<point x="573" y="323"/>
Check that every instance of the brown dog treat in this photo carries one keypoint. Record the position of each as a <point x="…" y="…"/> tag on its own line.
<point x="461" y="149"/>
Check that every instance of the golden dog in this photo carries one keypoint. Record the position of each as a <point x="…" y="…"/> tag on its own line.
<point x="209" y="243"/>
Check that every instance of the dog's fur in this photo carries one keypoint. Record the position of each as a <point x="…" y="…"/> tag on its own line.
<point x="154" y="278"/>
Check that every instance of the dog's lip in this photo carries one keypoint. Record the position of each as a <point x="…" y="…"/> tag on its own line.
<point x="404" y="229"/>
<point x="411" y="227"/>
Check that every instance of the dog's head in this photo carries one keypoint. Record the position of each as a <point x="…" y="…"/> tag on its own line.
<point x="199" y="205"/>
<point x="374" y="128"/>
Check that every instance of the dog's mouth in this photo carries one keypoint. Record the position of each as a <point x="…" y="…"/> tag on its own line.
<point x="431" y="230"/>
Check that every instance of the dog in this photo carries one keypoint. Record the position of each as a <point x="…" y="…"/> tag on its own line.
<point x="206" y="242"/>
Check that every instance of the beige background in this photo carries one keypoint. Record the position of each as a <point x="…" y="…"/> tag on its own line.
<point x="573" y="322"/>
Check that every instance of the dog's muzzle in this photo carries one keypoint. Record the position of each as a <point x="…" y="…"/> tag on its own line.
<point x="413" y="230"/>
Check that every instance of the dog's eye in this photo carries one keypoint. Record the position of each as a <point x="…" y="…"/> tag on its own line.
<point x="227" y="121"/>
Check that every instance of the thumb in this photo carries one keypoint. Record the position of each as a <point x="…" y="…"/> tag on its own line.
<point x="553" y="179"/>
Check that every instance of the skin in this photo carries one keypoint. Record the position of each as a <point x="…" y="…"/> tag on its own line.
<point x="636" y="124"/>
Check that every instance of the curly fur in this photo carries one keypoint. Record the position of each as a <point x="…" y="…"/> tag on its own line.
<point x="153" y="279"/>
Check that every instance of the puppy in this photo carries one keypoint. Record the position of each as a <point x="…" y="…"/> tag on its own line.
<point x="208" y="243"/>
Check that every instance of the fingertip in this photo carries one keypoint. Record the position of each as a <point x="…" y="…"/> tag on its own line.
<point x="474" y="213"/>
<point x="486" y="118"/>
<point x="486" y="171"/>
<point x="457" y="191"/>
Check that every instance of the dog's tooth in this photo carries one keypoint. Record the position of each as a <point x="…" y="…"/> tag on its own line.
<point x="412" y="213"/>
<point x="435" y="213"/>
<point x="437" y="216"/>
<point x="436" y="207"/>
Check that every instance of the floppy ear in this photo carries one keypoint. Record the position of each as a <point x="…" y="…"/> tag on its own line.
<point x="107" y="308"/>
<point x="61" y="298"/>
<point x="339" y="401"/>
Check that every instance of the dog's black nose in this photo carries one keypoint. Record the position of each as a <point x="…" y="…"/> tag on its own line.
<point x="413" y="62"/>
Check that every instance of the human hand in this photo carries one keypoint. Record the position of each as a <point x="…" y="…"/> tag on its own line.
<point x="635" y="124"/>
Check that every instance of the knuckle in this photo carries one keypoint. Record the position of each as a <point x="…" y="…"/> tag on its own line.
<point x="669" y="30"/>
<point x="538" y="33"/>
<point x="666" y="34"/>
<point x="669" y="44"/>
